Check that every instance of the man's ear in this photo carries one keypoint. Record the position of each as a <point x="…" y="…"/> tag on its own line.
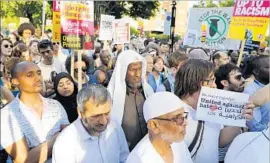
<point x="153" y="126"/>
<point x="255" y="72"/>
<point x="225" y="83"/>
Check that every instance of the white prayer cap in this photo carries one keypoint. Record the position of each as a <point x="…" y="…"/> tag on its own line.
<point x="161" y="103"/>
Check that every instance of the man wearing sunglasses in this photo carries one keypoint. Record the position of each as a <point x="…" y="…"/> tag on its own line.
<point x="166" y="123"/>
<point x="57" y="53"/>
<point x="229" y="77"/>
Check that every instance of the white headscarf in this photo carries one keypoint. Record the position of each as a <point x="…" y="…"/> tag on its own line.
<point x="117" y="84"/>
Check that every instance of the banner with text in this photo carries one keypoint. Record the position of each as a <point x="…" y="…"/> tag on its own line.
<point x="77" y="25"/>
<point x="56" y="31"/>
<point x="250" y="20"/>
<point x="223" y="107"/>
<point x="106" y="27"/>
<point x="121" y="34"/>
<point x="215" y="22"/>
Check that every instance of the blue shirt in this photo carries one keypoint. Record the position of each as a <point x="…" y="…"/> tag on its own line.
<point x="261" y="114"/>
<point x="162" y="88"/>
<point x="75" y="144"/>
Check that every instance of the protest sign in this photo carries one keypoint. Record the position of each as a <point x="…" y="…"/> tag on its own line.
<point x="216" y="21"/>
<point x="250" y="20"/>
<point x="106" y="27"/>
<point x="251" y="45"/>
<point x="56" y="21"/>
<point x="121" y="34"/>
<point x="223" y="107"/>
<point x="167" y="23"/>
<point x="77" y="26"/>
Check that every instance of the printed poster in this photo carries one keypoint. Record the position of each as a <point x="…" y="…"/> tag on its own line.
<point x="56" y="31"/>
<point x="106" y="27"/>
<point x="250" y="20"/>
<point x="77" y="25"/>
<point x="222" y="107"/>
<point x="216" y="21"/>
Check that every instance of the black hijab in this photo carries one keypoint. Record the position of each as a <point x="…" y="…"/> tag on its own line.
<point x="69" y="103"/>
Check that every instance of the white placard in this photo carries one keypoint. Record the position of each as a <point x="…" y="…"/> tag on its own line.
<point x="223" y="107"/>
<point x="106" y="27"/>
<point x="121" y="34"/>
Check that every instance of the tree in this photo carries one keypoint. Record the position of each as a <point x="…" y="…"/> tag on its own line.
<point x="29" y="9"/>
<point x="226" y="3"/>
<point x="205" y="4"/>
<point x="210" y="4"/>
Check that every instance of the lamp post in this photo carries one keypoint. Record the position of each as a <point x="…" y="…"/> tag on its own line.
<point x="172" y="25"/>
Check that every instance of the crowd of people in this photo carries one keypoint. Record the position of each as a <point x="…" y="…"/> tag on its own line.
<point x="136" y="105"/>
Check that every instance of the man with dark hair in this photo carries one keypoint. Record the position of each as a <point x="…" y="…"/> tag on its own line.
<point x="203" y="137"/>
<point x="229" y="77"/>
<point x="31" y="122"/>
<point x="260" y="70"/>
<point x="49" y="65"/>
<point x="220" y="58"/>
<point x="175" y="60"/>
<point x="164" y="50"/>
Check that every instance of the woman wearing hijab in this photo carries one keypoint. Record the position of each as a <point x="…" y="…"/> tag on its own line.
<point x="66" y="93"/>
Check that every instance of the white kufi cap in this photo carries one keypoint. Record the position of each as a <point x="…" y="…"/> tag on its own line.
<point x="161" y="103"/>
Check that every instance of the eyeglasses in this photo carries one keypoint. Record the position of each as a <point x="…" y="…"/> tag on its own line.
<point x="6" y="46"/>
<point x="54" y="43"/>
<point x="84" y="69"/>
<point x="179" y="120"/>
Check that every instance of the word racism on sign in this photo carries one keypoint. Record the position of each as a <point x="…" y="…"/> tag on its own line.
<point x="211" y="26"/>
<point x="223" y="107"/>
<point x="250" y="17"/>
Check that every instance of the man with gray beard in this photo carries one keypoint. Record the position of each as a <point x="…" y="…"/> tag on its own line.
<point x="129" y="93"/>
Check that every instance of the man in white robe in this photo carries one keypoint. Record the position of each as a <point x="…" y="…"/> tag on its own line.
<point x="129" y="90"/>
<point x="166" y="124"/>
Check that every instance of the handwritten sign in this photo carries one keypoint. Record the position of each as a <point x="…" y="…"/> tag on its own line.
<point x="106" y="27"/>
<point x="121" y="34"/>
<point x="223" y="107"/>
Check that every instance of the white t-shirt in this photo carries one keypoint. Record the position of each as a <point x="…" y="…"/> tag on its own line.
<point x="145" y="152"/>
<point x="208" y="150"/>
<point x="46" y="70"/>
<point x="249" y="147"/>
<point x="18" y="121"/>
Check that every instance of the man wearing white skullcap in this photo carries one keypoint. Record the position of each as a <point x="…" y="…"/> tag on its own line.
<point x="165" y="115"/>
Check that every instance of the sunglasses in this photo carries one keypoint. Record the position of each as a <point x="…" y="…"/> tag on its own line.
<point x="238" y="77"/>
<point x="6" y="46"/>
<point x="179" y="120"/>
<point x="54" y="43"/>
<point x="84" y="69"/>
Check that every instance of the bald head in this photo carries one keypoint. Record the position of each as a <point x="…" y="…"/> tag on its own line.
<point x="21" y="67"/>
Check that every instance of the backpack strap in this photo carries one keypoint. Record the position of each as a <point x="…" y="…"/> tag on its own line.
<point x="167" y="85"/>
<point x="199" y="133"/>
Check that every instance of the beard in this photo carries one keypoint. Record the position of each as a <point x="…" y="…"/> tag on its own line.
<point x="134" y="86"/>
